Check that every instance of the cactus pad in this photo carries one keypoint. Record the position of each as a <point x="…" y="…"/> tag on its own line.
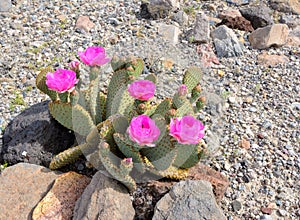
<point x="192" y="77"/>
<point x="41" y="83"/>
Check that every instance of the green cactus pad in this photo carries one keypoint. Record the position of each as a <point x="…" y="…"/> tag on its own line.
<point x="120" y="123"/>
<point x="162" y="155"/>
<point x="152" y="78"/>
<point x="119" y="79"/>
<point x="135" y="67"/>
<point x="64" y="97"/>
<point x="66" y="157"/>
<point x="41" y="83"/>
<point x="93" y="92"/>
<point x="75" y="118"/>
<point x="187" y="155"/>
<point x="185" y="109"/>
<point x="118" y="63"/>
<point x="101" y="107"/>
<point x="163" y="107"/>
<point x="108" y="160"/>
<point x="192" y="77"/>
<point x="179" y="101"/>
<point x="130" y="152"/>
<point x="160" y="122"/>
<point x="122" y="102"/>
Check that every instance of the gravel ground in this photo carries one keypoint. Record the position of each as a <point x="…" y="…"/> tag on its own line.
<point x="259" y="104"/>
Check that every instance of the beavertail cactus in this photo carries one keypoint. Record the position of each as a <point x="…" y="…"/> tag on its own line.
<point x="125" y="129"/>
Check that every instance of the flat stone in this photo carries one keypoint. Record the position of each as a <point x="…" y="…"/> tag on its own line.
<point x="84" y="23"/>
<point x="34" y="136"/>
<point x="294" y="37"/>
<point x="259" y="16"/>
<point x="236" y="205"/>
<point x="271" y="60"/>
<point x="200" y="32"/>
<point x="157" y="9"/>
<point x="226" y="42"/>
<point x="22" y="186"/>
<point x="272" y="35"/>
<point x="289" y="6"/>
<point x="104" y="198"/>
<point x="60" y="201"/>
<point x="203" y="172"/>
<point x="189" y="199"/>
<point x="169" y="32"/>
<point x="180" y="17"/>
<point x="208" y="57"/>
<point x="5" y="5"/>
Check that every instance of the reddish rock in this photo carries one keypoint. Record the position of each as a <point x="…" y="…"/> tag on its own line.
<point x="21" y="188"/>
<point x="272" y="35"/>
<point x="233" y="19"/>
<point x="271" y="60"/>
<point x="84" y="23"/>
<point x="244" y="144"/>
<point x="207" y="55"/>
<point x="60" y="201"/>
<point x="217" y="180"/>
<point x="266" y="210"/>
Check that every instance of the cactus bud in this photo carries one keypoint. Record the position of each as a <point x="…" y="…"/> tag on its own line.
<point x="198" y="88"/>
<point x="74" y="65"/>
<point x="172" y="112"/>
<point x="141" y="107"/>
<point x="182" y="91"/>
<point x="202" y="99"/>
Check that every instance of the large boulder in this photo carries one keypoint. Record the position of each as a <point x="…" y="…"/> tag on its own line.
<point x="191" y="199"/>
<point x="104" y="198"/>
<point x="34" y="137"/>
<point x="260" y="16"/>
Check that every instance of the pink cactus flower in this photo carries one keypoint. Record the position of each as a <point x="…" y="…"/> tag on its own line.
<point x="61" y="80"/>
<point x="142" y="130"/>
<point x="94" y="56"/>
<point x="182" y="90"/>
<point x="74" y="65"/>
<point x="187" y="130"/>
<point x="142" y="89"/>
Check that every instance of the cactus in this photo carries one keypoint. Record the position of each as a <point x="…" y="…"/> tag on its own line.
<point x="104" y="119"/>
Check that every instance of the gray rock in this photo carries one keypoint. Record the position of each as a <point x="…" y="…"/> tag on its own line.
<point x="34" y="137"/>
<point x="289" y="6"/>
<point x="226" y="42"/>
<point x="169" y="32"/>
<point x="260" y="16"/>
<point x="22" y="186"/>
<point x="189" y="199"/>
<point x="200" y="32"/>
<point x="236" y="205"/>
<point x="5" y="5"/>
<point x="104" y="198"/>
<point x="181" y="18"/>
<point x="157" y="9"/>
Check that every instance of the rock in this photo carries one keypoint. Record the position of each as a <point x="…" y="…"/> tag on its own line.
<point x="266" y="217"/>
<point x="236" y="205"/>
<point x="60" y="201"/>
<point x="34" y="137"/>
<point x="208" y="57"/>
<point x="169" y="32"/>
<point x="245" y="144"/>
<point x="266" y="210"/>
<point x="290" y="20"/>
<point x="21" y="188"/>
<point x="104" y="198"/>
<point x="271" y="60"/>
<point x="226" y="42"/>
<point x="289" y="6"/>
<point x="219" y="182"/>
<point x="157" y="9"/>
<point x="189" y="199"/>
<point x="259" y="16"/>
<point x="5" y="5"/>
<point x="294" y="37"/>
<point x="84" y="23"/>
<point x="181" y="18"/>
<point x="233" y="19"/>
<point x="200" y="32"/>
<point x="272" y="35"/>
<point x="237" y="2"/>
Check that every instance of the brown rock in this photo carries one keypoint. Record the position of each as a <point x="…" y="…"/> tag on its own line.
<point x="233" y="19"/>
<point x="217" y="180"/>
<point x="60" y="200"/>
<point x="286" y="6"/>
<point x="208" y="57"/>
<point x="272" y="35"/>
<point x="244" y="144"/>
<point x="21" y="187"/>
<point x="271" y="60"/>
<point x="84" y="23"/>
<point x="104" y="198"/>
<point x="266" y="210"/>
